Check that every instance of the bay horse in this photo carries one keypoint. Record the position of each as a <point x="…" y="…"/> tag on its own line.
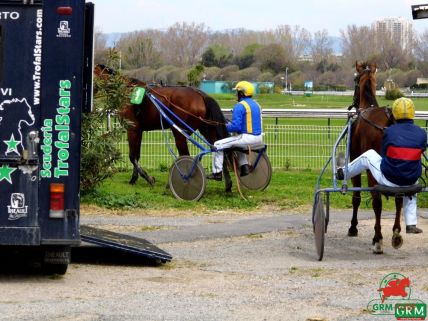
<point x="367" y="133"/>
<point x="196" y="108"/>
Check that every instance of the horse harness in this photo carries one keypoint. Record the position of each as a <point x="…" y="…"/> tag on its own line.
<point x="206" y="121"/>
<point x="362" y="114"/>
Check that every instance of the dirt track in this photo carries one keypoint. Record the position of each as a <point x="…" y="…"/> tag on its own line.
<point x="225" y="267"/>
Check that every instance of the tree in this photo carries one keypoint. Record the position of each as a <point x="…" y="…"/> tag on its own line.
<point x="271" y="58"/>
<point x="194" y="76"/>
<point x="247" y="56"/>
<point x="208" y="58"/>
<point x="182" y="44"/>
<point x="99" y="149"/>
<point x="358" y="44"/>
<point x="100" y="47"/>
<point x="321" y="50"/>
<point x="138" y="50"/>
<point x="217" y="55"/>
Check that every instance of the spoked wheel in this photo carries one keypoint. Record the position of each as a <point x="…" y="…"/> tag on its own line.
<point x="260" y="176"/>
<point x="319" y="225"/>
<point x="187" y="188"/>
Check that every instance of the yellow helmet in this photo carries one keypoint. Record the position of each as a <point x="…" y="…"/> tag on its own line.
<point x="245" y="87"/>
<point x="403" y="108"/>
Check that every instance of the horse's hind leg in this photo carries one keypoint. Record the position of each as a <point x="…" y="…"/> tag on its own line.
<point x="356" y="201"/>
<point x="134" y="142"/>
<point x="226" y="173"/>
<point x="397" y="239"/>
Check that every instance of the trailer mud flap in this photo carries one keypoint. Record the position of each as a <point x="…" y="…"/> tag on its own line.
<point x="126" y="243"/>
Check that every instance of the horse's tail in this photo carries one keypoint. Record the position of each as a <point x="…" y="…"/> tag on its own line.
<point x="214" y="114"/>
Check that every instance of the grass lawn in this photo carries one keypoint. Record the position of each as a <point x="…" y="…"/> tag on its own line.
<point x="288" y="190"/>
<point x="315" y="101"/>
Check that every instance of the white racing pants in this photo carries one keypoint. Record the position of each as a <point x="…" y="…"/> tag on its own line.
<point x="242" y="140"/>
<point x="371" y="160"/>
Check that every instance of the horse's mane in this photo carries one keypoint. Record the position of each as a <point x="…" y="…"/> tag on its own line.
<point x="365" y="86"/>
<point x="367" y="91"/>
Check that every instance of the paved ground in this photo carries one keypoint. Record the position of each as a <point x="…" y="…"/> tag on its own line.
<point x="226" y="267"/>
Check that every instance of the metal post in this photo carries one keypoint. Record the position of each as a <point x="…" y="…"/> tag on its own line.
<point x="286" y="78"/>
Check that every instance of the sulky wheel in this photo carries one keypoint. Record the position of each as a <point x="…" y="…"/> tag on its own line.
<point x="260" y="176"/>
<point x="319" y="225"/>
<point x="187" y="188"/>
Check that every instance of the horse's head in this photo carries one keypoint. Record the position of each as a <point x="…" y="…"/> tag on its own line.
<point x="405" y="282"/>
<point x="365" y="85"/>
<point x="103" y="72"/>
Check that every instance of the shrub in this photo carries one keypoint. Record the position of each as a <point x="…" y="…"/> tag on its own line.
<point x="98" y="148"/>
<point x="393" y="94"/>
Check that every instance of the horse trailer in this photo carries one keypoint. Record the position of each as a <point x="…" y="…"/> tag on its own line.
<point x="45" y="85"/>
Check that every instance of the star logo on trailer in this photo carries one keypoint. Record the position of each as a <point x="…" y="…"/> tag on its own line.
<point x="12" y="145"/>
<point x="6" y="172"/>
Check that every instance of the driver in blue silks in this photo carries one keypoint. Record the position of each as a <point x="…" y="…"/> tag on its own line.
<point x="246" y="123"/>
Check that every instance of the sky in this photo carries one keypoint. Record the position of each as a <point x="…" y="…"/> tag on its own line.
<point x="217" y="15"/>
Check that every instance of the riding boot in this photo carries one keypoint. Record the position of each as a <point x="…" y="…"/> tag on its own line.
<point x="244" y="170"/>
<point x="340" y="162"/>
<point x="215" y="176"/>
<point x="412" y="229"/>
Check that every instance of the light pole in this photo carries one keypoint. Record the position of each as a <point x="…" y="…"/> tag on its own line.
<point x="286" y="78"/>
<point x="283" y="84"/>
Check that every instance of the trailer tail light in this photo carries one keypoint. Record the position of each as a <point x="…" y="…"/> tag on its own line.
<point x="64" y="11"/>
<point x="57" y="201"/>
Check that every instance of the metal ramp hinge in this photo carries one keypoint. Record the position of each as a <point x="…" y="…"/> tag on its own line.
<point x="30" y="2"/>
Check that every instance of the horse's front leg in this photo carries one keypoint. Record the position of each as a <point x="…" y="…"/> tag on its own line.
<point x="134" y="143"/>
<point x="356" y="201"/>
<point x="397" y="239"/>
<point x="378" y="238"/>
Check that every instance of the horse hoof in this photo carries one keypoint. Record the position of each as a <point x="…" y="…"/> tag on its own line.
<point x="397" y="240"/>
<point x="151" y="181"/>
<point x="377" y="247"/>
<point x="132" y="181"/>
<point x="352" y="232"/>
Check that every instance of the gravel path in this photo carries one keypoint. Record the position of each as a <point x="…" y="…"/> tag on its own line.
<point x="225" y="267"/>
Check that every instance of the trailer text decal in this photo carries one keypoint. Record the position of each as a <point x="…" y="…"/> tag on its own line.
<point x="38" y="57"/>
<point x="62" y="139"/>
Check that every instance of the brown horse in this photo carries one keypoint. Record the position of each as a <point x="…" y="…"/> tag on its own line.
<point x="197" y="109"/>
<point x="367" y="133"/>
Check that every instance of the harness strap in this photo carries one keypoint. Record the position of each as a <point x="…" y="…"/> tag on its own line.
<point x="362" y="115"/>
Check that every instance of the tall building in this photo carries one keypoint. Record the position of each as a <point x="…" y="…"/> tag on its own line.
<point x="400" y="29"/>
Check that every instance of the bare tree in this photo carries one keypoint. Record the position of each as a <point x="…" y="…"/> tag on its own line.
<point x="100" y="47"/>
<point x="295" y="41"/>
<point x="358" y="43"/>
<point x="138" y="50"/>
<point x="183" y="44"/>
<point x="321" y="49"/>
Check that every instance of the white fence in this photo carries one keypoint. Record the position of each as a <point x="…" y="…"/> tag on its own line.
<point x="289" y="146"/>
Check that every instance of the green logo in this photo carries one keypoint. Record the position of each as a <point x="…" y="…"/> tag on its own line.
<point x="394" y="299"/>
<point x="137" y="95"/>
<point x="410" y="311"/>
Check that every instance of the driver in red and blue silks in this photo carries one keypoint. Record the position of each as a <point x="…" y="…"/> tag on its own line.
<point x="400" y="161"/>
<point x="246" y="123"/>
